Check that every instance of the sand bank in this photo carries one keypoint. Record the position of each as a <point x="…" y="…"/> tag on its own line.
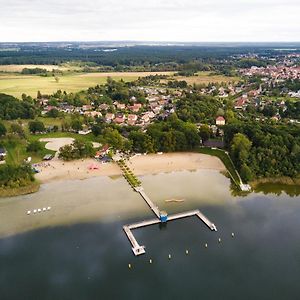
<point x="141" y="165"/>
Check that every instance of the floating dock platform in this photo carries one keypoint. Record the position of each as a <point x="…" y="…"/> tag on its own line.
<point x="138" y="249"/>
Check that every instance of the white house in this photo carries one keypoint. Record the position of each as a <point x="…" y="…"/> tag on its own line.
<point x="220" y="121"/>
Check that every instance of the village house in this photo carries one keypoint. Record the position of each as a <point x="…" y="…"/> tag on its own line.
<point x="101" y="153"/>
<point x="87" y="107"/>
<point x="104" y="106"/>
<point x="120" y="106"/>
<point x="109" y="117"/>
<point x="43" y="102"/>
<point x="150" y="114"/>
<point x="145" y="119"/>
<point x="131" y="119"/>
<point x="240" y="103"/>
<point x="220" y="121"/>
<point x="94" y="114"/>
<point x="135" y="107"/>
<point x="120" y="119"/>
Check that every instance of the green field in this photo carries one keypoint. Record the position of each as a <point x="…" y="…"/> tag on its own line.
<point x="17" y="84"/>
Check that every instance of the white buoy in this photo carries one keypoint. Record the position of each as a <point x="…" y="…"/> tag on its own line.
<point x="39" y="210"/>
<point x="206" y="245"/>
<point x="232" y="234"/>
<point x="150" y="261"/>
<point x="219" y="240"/>
<point x="34" y="211"/>
<point x="49" y="207"/>
<point x="169" y="256"/>
<point x="186" y="252"/>
<point x="129" y="266"/>
<point x="28" y="212"/>
<point x="44" y="209"/>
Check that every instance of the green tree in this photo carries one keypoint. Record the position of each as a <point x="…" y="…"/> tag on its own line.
<point x="78" y="149"/>
<point x="141" y="142"/>
<point x="246" y="173"/>
<point x="53" y="113"/>
<point x="2" y="130"/>
<point x="66" y="153"/>
<point x="204" y="132"/>
<point x="240" y="148"/>
<point x="76" y="125"/>
<point x="36" y="126"/>
<point x="16" y="128"/>
<point x="113" y="138"/>
<point x="34" y="146"/>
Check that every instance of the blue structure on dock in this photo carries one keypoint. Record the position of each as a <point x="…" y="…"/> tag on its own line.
<point x="163" y="216"/>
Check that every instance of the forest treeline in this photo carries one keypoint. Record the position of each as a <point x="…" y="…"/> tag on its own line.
<point x="260" y="150"/>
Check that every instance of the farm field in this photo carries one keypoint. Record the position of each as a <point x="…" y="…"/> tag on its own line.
<point x="19" y="68"/>
<point x="206" y="78"/>
<point x="16" y="85"/>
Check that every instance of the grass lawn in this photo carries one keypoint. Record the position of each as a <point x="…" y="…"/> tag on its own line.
<point x="16" y="153"/>
<point x="17" y="84"/>
<point x="86" y="138"/>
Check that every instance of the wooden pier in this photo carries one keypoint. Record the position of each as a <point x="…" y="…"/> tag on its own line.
<point x="138" y="249"/>
<point x="197" y="213"/>
<point x="160" y="216"/>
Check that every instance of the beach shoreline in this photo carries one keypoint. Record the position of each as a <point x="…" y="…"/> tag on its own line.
<point x="58" y="170"/>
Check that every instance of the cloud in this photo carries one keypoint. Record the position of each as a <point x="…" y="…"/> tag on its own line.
<point x="185" y="20"/>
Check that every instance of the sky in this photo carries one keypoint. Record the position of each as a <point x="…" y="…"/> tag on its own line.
<point x="150" y="20"/>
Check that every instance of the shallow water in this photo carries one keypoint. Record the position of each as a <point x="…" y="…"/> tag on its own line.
<point x="90" y="260"/>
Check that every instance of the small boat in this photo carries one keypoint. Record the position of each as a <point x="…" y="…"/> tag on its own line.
<point x="174" y="200"/>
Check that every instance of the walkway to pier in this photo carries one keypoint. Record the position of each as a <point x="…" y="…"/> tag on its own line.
<point x="153" y="207"/>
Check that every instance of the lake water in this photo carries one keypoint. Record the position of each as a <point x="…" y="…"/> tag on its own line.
<point x="78" y="250"/>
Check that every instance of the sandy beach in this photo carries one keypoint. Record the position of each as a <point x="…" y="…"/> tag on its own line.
<point x="141" y="165"/>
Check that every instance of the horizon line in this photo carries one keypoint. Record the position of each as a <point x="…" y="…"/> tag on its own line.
<point x="149" y="41"/>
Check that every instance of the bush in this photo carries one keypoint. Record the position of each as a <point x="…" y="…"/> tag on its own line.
<point x="35" y="146"/>
<point x="15" y="176"/>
